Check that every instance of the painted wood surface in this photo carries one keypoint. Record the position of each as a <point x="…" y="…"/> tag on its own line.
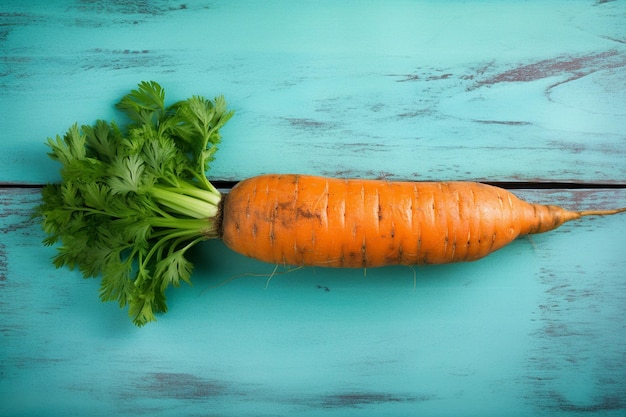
<point x="484" y="90"/>
<point x="401" y="89"/>
<point x="534" y="329"/>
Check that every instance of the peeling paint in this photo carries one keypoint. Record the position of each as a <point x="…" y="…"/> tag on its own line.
<point x="575" y="66"/>
<point x="361" y="399"/>
<point x="108" y="59"/>
<point x="182" y="386"/>
<point x="308" y="124"/>
<point x="4" y="266"/>
<point x="129" y="7"/>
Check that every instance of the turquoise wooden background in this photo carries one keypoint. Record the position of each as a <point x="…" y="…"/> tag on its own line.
<point x="509" y="91"/>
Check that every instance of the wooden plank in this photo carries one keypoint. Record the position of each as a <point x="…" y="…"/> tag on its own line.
<point x="537" y="328"/>
<point x="401" y="89"/>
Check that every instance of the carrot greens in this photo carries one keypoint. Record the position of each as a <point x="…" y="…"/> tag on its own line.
<point x="134" y="199"/>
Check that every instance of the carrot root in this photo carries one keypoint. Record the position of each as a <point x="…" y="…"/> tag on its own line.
<point x="316" y="221"/>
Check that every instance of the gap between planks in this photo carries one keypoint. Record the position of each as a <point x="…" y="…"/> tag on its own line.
<point x="508" y="185"/>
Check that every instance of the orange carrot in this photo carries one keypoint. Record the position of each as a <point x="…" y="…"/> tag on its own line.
<point x="317" y="221"/>
<point x="133" y="200"/>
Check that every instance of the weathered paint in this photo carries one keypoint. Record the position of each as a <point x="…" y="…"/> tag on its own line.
<point x="455" y="90"/>
<point x="441" y="91"/>
<point x="536" y="328"/>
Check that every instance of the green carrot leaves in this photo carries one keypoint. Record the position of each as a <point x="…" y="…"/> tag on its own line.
<point x="133" y="200"/>
<point x="146" y="105"/>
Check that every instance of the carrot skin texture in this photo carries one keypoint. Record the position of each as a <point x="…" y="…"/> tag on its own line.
<point x="317" y="221"/>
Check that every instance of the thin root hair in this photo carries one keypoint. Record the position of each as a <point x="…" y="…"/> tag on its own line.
<point x="250" y="274"/>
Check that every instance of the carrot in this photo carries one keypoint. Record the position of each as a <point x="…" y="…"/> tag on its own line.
<point x="317" y="221"/>
<point x="133" y="199"/>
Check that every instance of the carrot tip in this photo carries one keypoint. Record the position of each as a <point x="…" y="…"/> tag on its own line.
<point x="602" y="212"/>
